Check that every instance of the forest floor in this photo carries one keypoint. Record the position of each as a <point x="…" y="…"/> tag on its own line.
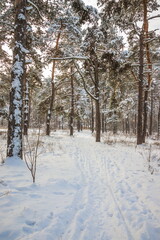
<point x="84" y="191"/>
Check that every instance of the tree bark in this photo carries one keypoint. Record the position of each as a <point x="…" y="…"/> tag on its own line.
<point x="149" y="67"/>
<point x="151" y="115"/>
<point x="92" y="117"/>
<point x="140" y="94"/>
<point x="135" y="124"/>
<point x="103" y="123"/>
<point x="97" y="104"/>
<point x="26" y="107"/>
<point x="49" y="112"/>
<point x="15" y="122"/>
<point x="158" y="121"/>
<point x="48" y="119"/>
<point x="127" y="125"/>
<point x="72" y="103"/>
<point x="115" y="122"/>
<point x="78" y="125"/>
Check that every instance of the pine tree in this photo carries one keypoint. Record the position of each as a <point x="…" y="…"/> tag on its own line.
<point x="67" y="36"/>
<point x="126" y="16"/>
<point x="14" y="145"/>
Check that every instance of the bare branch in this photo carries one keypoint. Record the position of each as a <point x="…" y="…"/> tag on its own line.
<point x="153" y="17"/>
<point x="150" y="40"/>
<point x="84" y="83"/>
<point x="36" y="8"/>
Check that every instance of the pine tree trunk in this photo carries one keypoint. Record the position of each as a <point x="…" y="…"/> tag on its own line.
<point x="103" y="123"/>
<point x="92" y="120"/>
<point x="62" y="123"/>
<point x="115" y="122"/>
<point x="135" y="124"/>
<point x="49" y="112"/>
<point x="98" y="122"/>
<point x="158" y="121"/>
<point x="26" y="107"/>
<point x="15" y="123"/>
<point x="78" y="125"/>
<point x="149" y="67"/>
<point x="97" y="104"/>
<point x="72" y="104"/>
<point x="151" y="115"/>
<point x="127" y="125"/>
<point x="140" y="94"/>
<point x="123" y="125"/>
<point x="145" y="114"/>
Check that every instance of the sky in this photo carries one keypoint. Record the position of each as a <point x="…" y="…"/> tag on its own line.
<point x="91" y="2"/>
<point x="154" y="24"/>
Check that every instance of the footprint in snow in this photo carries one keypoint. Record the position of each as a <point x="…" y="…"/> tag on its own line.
<point x="34" y="195"/>
<point x="30" y="222"/>
<point x="58" y="193"/>
<point x="3" y="183"/>
<point x="28" y="228"/>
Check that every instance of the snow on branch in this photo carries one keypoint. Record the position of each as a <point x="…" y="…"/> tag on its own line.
<point x="70" y="58"/>
<point x="6" y="23"/>
<point x="86" y="12"/>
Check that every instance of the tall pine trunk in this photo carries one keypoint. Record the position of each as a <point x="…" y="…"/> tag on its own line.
<point x="151" y="115"/>
<point x="78" y="124"/>
<point x="49" y="112"/>
<point x="158" y="125"/>
<point x="103" y="122"/>
<point x="145" y="114"/>
<point x="26" y="107"/>
<point x="72" y="104"/>
<point x="140" y="94"/>
<point x="97" y="104"/>
<point x="92" y="117"/>
<point x="149" y="68"/>
<point x="15" y="122"/>
<point x="135" y="124"/>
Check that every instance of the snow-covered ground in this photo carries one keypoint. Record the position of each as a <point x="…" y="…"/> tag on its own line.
<point x="83" y="191"/>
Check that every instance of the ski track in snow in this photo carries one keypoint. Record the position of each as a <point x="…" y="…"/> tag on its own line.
<point x="99" y="210"/>
<point x="88" y="192"/>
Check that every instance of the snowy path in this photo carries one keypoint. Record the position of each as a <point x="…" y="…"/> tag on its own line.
<point x="84" y="191"/>
<point x="99" y="216"/>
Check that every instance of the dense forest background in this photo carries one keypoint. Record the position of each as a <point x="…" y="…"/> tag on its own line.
<point x="77" y="67"/>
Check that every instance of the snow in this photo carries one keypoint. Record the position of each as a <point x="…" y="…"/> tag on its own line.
<point x="84" y="191"/>
<point x="21" y="16"/>
<point x="29" y="8"/>
<point x="22" y="48"/>
<point x="18" y="70"/>
<point x="17" y="102"/>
